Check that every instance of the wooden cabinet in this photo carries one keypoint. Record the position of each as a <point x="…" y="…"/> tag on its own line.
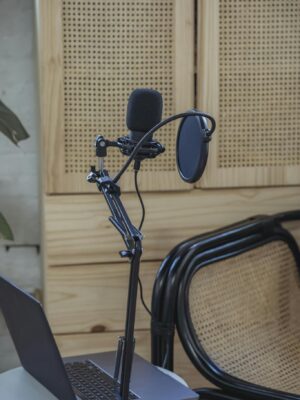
<point x="92" y="53"/>
<point x="248" y="78"/>
<point x="77" y="230"/>
<point x="85" y="280"/>
<point x="92" y="298"/>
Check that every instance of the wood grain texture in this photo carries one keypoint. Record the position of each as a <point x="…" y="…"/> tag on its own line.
<point x="77" y="230"/>
<point x="50" y="61"/>
<point x="92" y="298"/>
<point x="71" y="345"/>
<point x="184" y="55"/>
<point x="249" y="96"/>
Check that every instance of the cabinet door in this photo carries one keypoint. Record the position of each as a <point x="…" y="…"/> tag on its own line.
<point x="92" y="54"/>
<point x="248" y="78"/>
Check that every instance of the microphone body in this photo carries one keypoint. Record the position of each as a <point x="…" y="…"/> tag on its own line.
<point x="144" y="111"/>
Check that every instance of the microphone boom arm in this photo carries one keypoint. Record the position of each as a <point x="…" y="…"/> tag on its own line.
<point x="133" y="240"/>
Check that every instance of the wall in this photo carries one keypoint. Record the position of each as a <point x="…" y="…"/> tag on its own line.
<point x="19" y="200"/>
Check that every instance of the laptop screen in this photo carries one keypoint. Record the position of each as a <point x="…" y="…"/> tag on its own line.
<point x="33" y="339"/>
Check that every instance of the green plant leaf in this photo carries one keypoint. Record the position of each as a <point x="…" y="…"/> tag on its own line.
<point x="5" y="231"/>
<point x="10" y="125"/>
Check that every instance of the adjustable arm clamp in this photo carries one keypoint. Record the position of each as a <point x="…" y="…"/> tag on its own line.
<point x="119" y="217"/>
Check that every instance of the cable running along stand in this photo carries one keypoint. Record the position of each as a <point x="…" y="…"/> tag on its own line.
<point x="132" y="236"/>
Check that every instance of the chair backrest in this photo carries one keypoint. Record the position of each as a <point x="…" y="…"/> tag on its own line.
<point x="168" y="277"/>
<point x="237" y="308"/>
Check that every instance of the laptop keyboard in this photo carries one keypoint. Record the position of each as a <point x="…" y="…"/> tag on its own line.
<point x="90" y="382"/>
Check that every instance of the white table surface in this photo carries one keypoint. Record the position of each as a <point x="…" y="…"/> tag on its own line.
<point x="17" y="384"/>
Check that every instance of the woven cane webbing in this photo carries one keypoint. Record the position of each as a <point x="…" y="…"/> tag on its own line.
<point x="110" y="48"/>
<point x="259" y="86"/>
<point x="246" y="314"/>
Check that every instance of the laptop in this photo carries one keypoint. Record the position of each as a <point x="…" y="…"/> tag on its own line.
<point x="81" y="377"/>
<point x="39" y="355"/>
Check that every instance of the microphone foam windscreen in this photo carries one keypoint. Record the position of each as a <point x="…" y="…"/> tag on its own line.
<point x="144" y="110"/>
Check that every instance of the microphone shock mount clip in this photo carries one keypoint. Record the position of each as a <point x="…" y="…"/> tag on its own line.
<point x="149" y="150"/>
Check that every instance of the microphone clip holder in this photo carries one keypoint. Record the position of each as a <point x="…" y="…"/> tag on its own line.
<point x="150" y="149"/>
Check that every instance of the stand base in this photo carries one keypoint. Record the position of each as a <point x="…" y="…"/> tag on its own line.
<point x="147" y="381"/>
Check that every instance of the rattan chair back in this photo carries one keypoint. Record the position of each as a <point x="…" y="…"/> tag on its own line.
<point x="238" y="313"/>
<point x="234" y="297"/>
<point x="245" y="311"/>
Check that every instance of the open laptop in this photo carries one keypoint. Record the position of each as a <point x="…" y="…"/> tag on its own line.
<point x="39" y="355"/>
<point x="81" y="377"/>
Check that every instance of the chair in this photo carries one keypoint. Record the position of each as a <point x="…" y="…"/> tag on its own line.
<point x="234" y="297"/>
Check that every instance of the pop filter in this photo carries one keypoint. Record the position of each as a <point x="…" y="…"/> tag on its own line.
<point x="192" y="147"/>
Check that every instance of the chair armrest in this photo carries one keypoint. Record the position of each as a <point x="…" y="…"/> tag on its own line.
<point x="214" y="394"/>
<point x="287" y="216"/>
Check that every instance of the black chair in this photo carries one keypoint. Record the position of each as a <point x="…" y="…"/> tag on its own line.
<point x="234" y="297"/>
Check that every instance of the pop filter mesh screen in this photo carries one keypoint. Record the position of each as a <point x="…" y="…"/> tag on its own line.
<point x="191" y="149"/>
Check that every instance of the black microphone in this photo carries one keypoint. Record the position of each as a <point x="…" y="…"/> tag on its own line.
<point x="144" y="111"/>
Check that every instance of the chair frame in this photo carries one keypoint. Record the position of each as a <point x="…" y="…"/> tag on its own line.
<point x="170" y="305"/>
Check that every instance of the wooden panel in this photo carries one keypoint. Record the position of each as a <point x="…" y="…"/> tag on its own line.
<point x="77" y="230"/>
<point x="92" y="54"/>
<point x="50" y="55"/>
<point x="71" y="345"/>
<point x="93" y="298"/>
<point x="248" y="63"/>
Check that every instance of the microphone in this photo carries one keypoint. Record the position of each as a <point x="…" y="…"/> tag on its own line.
<point x="144" y="111"/>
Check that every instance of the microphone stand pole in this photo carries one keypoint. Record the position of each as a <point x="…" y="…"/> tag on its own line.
<point x="133" y="240"/>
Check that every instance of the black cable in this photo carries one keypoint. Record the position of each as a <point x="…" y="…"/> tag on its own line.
<point x="140" y="227"/>
<point x="140" y="198"/>
<point x="142" y="298"/>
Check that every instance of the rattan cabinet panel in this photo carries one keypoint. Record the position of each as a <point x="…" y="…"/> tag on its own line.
<point x="92" y="54"/>
<point x="248" y="78"/>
